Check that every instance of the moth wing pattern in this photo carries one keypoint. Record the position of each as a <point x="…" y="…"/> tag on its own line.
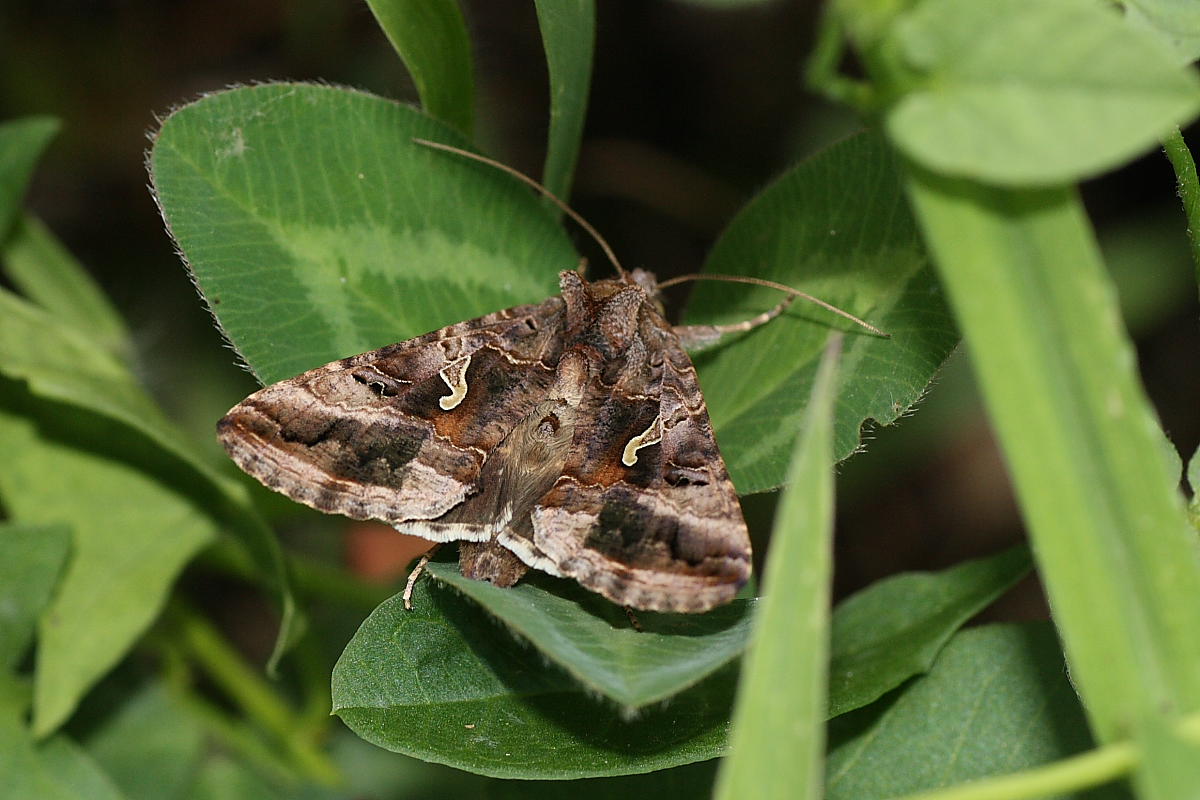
<point x="514" y="478"/>
<point x="644" y="512"/>
<point x="570" y="436"/>
<point x="396" y="434"/>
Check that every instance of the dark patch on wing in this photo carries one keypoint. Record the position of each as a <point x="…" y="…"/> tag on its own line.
<point x="630" y="535"/>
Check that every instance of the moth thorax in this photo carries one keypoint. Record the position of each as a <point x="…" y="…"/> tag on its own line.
<point x="617" y="320"/>
<point x="570" y="379"/>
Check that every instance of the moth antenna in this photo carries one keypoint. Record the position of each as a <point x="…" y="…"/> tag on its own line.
<point x="521" y="176"/>
<point x="782" y="287"/>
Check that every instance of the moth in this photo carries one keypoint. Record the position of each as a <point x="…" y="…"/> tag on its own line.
<point x="568" y="436"/>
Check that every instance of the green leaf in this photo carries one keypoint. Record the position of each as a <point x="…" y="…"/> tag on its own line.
<point x="48" y="772"/>
<point x="896" y="627"/>
<point x="690" y="781"/>
<point x="1083" y="446"/>
<point x="221" y="778"/>
<point x="1187" y="186"/>
<point x="23" y="774"/>
<point x="317" y="229"/>
<point x="779" y="720"/>
<point x="444" y="684"/>
<point x="75" y="771"/>
<point x="592" y="640"/>
<point x="867" y="21"/>
<point x="1178" y="16"/>
<point x="133" y="534"/>
<point x="1030" y="92"/>
<point x="21" y="144"/>
<point x="47" y="274"/>
<point x="150" y="747"/>
<point x="431" y="38"/>
<point x="52" y="770"/>
<point x="882" y="636"/>
<point x="31" y="559"/>
<point x="569" y="38"/>
<point x="63" y="364"/>
<point x="1175" y="22"/>
<point x="996" y="701"/>
<point x="1193" y="479"/>
<point x="838" y="227"/>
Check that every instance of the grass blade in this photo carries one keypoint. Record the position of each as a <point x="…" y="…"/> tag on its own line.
<point x="21" y="144"/>
<point x="431" y="38"/>
<point x="569" y="37"/>
<point x="779" y="721"/>
<point x="1084" y="449"/>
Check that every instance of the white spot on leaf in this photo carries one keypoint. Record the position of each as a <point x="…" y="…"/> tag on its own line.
<point x="236" y="146"/>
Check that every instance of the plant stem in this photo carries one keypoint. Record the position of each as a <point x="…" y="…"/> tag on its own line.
<point x="203" y="644"/>
<point x="778" y="739"/>
<point x="821" y="72"/>
<point x="1070" y="774"/>
<point x="1058" y="374"/>
<point x="1189" y="190"/>
<point x="1061" y="777"/>
<point x="231" y="734"/>
<point x="235" y="737"/>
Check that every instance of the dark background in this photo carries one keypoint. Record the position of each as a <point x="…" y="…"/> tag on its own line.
<point x="694" y="108"/>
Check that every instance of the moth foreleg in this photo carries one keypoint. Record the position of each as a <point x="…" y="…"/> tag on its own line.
<point x="698" y="337"/>
<point x="416" y="573"/>
<point x="634" y="622"/>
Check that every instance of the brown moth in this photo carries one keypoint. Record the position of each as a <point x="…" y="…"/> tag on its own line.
<point x="568" y="436"/>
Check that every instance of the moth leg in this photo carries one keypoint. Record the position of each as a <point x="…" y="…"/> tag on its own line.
<point x="634" y="622"/>
<point x="416" y="573"/>
<point x="698" y="337"/>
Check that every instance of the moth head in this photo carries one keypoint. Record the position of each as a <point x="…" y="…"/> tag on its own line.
<point x="607" y="312"/>
<point x="646" y="280"/>
<point x="649" y="284"/>
<point x="618" y="317"/>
